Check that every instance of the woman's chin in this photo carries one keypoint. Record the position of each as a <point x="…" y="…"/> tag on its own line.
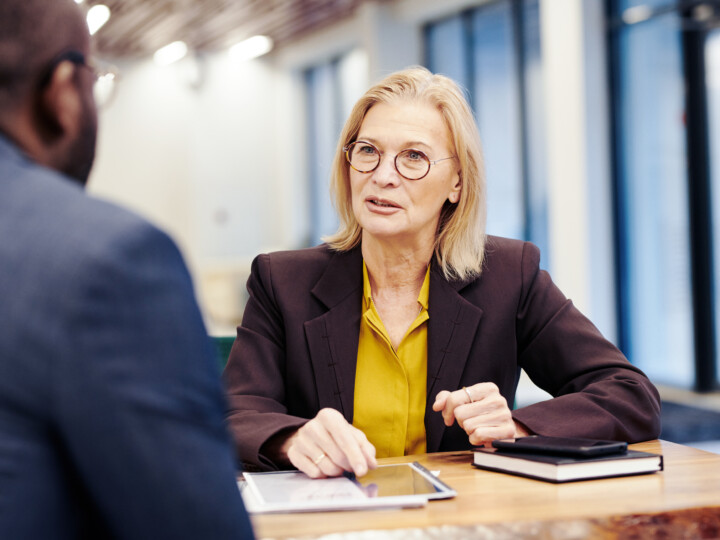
<point x="390" y="235"/>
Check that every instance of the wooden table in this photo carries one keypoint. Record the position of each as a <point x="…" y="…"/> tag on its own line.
<point x="683" y="501"/>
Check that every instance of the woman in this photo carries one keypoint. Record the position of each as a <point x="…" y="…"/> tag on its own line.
<point x="406" y="332"/>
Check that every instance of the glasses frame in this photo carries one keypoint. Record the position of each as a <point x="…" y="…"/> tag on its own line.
<point x="430" y="162"/>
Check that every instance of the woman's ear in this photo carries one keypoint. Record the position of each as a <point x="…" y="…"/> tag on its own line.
<point x="454" y="195"/>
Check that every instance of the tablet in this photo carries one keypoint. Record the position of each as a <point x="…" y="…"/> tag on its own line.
<point x="398" y="485"/>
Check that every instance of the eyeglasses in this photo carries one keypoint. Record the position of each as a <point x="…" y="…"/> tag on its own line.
<point x="412" y="164"/>
<point x="106" y="76"/>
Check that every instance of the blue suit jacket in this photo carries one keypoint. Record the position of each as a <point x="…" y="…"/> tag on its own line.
<point x="111" y="408"/>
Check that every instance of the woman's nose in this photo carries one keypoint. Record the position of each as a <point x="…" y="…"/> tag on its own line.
<point x="386" y="174"/>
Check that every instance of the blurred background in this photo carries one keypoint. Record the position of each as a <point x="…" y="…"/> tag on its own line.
<point x="600" y="121"/>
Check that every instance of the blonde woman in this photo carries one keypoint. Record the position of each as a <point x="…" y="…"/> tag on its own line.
<point x="406" y="331"/>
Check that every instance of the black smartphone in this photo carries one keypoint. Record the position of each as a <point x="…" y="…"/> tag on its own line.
<point x="565" y="446"/>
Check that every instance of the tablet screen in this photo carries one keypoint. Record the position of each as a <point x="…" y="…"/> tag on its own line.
<point x="396" y="480"/>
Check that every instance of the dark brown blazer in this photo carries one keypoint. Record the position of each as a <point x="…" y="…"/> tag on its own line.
<point x="296" y="350"/>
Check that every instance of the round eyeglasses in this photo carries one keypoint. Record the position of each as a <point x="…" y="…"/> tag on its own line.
<point x="412" y="164"/>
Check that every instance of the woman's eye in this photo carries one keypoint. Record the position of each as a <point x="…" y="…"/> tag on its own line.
<point x="413" y="155"/>
<point x="366" y="149"/>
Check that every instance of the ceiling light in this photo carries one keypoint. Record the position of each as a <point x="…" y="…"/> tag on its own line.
<point x="170" y="53"/>
<point x="251" y="48"/>
<point x="97" y="16"/>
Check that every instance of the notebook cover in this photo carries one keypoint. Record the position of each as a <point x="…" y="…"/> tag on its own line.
<point x="562" y="461"/>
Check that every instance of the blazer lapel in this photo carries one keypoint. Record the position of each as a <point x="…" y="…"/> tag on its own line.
<point x="452" y="327"/>
<point x="333" y="337"/>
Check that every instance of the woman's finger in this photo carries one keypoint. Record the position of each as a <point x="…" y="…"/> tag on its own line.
<point x="318" y="434"/>
<point x="486" y="434"/>
<point x="347" y="440"/>
<point x="367" y="448"/>
<point x="344" y="448"/>
<point x="491" y="408"/>
<point x="328" y="444"/>
<point x="320" y="467"/>
<point x="440" y="400"/>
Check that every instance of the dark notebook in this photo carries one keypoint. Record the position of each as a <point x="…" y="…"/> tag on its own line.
<point x="557" y="469"/>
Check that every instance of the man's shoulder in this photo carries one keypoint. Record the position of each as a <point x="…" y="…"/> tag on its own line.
<point x="53" y="232"/>
<point x="53" y="212"/>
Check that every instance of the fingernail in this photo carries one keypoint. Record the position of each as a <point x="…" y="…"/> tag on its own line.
<point x="360" y="469"/>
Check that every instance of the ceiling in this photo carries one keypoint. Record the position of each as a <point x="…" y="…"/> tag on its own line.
<point x="137" y="28"/>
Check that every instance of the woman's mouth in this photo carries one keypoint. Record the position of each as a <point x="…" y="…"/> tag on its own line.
<point x="382" y="203"/>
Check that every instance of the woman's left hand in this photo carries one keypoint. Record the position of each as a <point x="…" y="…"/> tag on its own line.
<point x="481" y="411"/>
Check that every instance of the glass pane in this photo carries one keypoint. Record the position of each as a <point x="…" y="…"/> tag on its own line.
<point x="712" y="68"/>
<point x="445" y="49"/>
<point x="323" y="131"/>
<point x="653" y="179"/>
<point x="537" y="211"/>
<point x="496" y="99"/>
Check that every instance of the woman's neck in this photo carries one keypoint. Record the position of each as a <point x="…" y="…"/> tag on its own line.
<point x="395" y="268"/>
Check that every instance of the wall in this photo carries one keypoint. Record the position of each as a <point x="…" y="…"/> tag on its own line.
<point x="193" y="148"/>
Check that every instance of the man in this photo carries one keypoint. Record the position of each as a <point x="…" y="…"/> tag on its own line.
<point x="111" y="409"/>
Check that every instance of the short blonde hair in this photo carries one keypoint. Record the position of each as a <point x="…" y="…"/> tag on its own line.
<point x="460" y="238"/>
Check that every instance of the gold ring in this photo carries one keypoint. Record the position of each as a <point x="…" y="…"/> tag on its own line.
<point x="319" y="459"/>
<point x="468" y="394"/>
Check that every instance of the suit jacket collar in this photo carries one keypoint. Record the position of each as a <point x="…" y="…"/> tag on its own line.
<point x="341" y="278"/>
<point x="333" y="337"/>
<point x="452" y="327"/>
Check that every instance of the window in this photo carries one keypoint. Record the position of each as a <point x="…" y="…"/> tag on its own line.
<point x="493" y="51"/>
<point x="324" y="125"/>
<point x="331" y="90"/>
<point x="662" y="132"/>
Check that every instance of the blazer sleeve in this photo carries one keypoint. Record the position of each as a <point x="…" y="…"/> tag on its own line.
<point x="597" y="392"/>
<point x="141" y="409"/>
<point x="256" y="372"/>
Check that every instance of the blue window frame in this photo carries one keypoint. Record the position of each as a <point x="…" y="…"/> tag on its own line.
<point x="324" y="123"/>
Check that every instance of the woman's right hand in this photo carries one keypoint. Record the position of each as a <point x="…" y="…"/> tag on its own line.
<point x="328" y="445"/>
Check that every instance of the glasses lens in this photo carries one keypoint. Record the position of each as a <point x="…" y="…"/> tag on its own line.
<point x="103" y="90"/>
<point x="412" y="164"/>
<point x="105" y="84"/>
<point x="363" y="157"/>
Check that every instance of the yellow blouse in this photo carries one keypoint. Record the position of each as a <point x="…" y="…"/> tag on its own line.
<point x="390" y="385"/>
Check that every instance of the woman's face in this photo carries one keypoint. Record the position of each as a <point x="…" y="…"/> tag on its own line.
<point x="388" y="206"/>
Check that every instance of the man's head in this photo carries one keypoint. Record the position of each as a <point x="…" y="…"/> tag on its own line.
<point x="46" y="100"/>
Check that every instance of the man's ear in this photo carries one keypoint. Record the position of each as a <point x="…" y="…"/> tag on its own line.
<point x="60" y="108"/>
